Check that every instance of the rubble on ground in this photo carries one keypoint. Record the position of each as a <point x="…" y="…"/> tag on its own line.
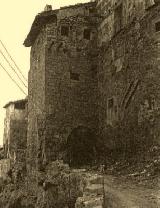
<point x="143" y="168"/>
<point x="58" y="186"/>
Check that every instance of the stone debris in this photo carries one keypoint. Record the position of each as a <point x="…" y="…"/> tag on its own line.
<point x="93" y="193"/>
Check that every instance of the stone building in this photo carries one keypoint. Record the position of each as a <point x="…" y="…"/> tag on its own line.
<point x="95" y="69"/>
<point x="128" y="75"/>
<point x="62" y="78"/>
<point x="15" y="131"/>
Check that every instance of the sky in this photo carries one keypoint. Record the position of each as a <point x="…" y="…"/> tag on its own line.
<point x="16" y="18"/>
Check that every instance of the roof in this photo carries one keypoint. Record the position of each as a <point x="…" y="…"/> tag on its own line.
<point x="44" y="18"/>
<point x="79" y="5"/>
<point x="40" y="21"/>
<point x="16" y="102"/>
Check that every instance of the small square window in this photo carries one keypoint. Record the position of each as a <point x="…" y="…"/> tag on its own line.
<point x="74" y="76"/>
<point x="87" y="34"/>
<point x="157" y="26"/>
<point x="19" y="105"/>
<point x="65" y="31"/>
<point x="92" y="11"/>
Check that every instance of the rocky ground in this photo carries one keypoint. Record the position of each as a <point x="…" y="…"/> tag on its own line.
<point x="119" y="192"/>
<point x="130" y="183"/>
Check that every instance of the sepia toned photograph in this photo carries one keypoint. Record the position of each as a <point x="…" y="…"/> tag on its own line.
<point x="80" y="104"/>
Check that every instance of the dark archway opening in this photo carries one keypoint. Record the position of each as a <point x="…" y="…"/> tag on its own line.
<point x="81" y="147"/>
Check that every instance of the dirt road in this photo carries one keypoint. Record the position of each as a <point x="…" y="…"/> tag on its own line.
<point x="120" y="193"/>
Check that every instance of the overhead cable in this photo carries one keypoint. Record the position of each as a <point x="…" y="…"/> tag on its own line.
<point x="12" y="79"/>
<point x="13" y="68"/>
<point x="12" y="60"/>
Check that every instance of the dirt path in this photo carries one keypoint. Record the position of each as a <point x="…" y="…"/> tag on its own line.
<point x="124" y="194"/>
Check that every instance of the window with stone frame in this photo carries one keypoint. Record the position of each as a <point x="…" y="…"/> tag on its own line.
<point x="118" y="18"/>
<point x="65" y="31"/>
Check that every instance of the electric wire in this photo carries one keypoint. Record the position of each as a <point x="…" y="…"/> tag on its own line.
<point x="13" y="60"/>
<point x="12" y="79"/>
<point x="13" y="68"/>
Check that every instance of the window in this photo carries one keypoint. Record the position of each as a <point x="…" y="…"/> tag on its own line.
<point x="110" y="103"/>
<point x="74" y="76"/>
<point x="87" y="34"/>
<point x="64" y="30"/>
<point x="19" y="105"/>
<point x="118" y="18"/>
<point x="92" y="11"/>
<point x="157" y="26"/>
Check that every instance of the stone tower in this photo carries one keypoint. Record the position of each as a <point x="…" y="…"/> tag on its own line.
<point x="62" y="79"/>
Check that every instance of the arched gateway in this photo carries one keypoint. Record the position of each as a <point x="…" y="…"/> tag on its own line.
<point x="81" y="147"/>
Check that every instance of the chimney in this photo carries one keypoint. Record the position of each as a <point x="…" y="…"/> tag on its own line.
<point x="48" y="8"/>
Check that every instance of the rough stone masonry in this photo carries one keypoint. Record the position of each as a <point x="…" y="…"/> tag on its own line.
<point x="95" y="68"/>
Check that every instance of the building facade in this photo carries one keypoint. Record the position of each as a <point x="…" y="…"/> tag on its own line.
<point x="15" y="131"/>
<point x="95" y="66"/>
<point x="62" y="78"/>
<point x="129" y="72"/>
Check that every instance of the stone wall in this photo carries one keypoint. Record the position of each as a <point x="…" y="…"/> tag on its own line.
<point x="15" y="128"/>
<point x="129" y="107"/>
<point x="36" y="96"/>
<point x="86" y="9"/>
<point x="4" y="168"/>
<point x="71" y="89"/>
<point x="18" y="132"/>
<point x="62" y="82"/>
<point x="80" y="75"/>
<point x="14" y="115"/>
<point x="117" y="14"/>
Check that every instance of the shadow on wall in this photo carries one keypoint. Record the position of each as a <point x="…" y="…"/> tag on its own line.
<point x="81" y="147"/>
